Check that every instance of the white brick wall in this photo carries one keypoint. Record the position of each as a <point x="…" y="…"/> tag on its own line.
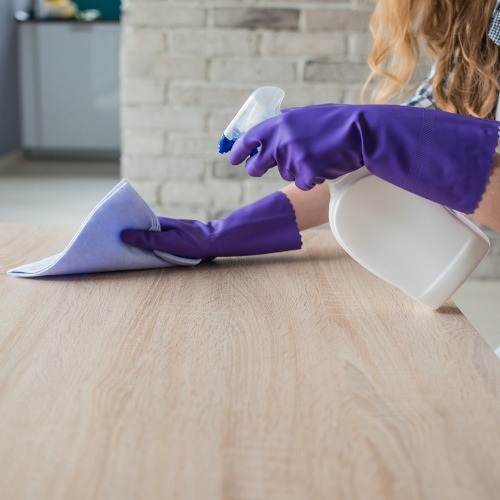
<point x="187" y="66"/>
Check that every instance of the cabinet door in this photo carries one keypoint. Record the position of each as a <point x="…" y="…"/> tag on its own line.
<point x="78" y="65"/>
<point x="29" y="86"/>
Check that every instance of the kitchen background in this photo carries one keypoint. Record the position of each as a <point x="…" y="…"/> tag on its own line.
<point x="144" y="89"/>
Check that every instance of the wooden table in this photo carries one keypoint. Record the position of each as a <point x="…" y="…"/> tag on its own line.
<point x="292" y="376"/>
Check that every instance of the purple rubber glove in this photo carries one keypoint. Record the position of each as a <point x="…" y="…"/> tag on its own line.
<point x="444" y="157"/>
<point x="266" y="226"/>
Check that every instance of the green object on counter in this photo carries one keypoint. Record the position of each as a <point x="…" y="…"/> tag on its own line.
<point x="109" y="9"/>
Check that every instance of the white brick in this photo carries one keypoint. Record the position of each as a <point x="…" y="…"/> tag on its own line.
<point x="142" y="143"/>
<point x="327" y="95"/>
<point x="191" y="169"/>
<point x="228" y="193"/>
<point x="253" y="70"/>
<point x="186" y="193"/>
<point x="135" y="91"/>
<point x="143" y="167"/>
<point x="339" y="72"/>
<point x="302" y="44"/>
<point x="307" y="94"/>
<point x="254" y="189"/>
<point x="209" y="94"/>
<point x="366" y="3"/>
<point x="165" y="118"/>
<point x="257" y="18"/>
<point x="331" y="20"/>
<point x="218" y="121"/>
<point x="297" y="3"/>
<point x="360" y="45"/>
<point x="163" y="67"/>
<point x="142" y="40"/>
<point x="212" y="43"/>
<point x="222" y="169"/>
<point x="181" y="212"/>
<point x="199" y="146"/>
<point x="150" y="167"/>
<point x="163" y="15"/>
<point x="147" y="189"/>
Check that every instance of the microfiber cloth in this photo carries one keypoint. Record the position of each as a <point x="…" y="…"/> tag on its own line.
<point x="97" y="246"/>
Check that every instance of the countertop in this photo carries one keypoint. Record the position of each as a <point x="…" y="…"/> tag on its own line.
<point x="296" y="375"/>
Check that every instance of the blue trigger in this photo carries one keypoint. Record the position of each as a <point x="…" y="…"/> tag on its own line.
<point x="225" y="144"/>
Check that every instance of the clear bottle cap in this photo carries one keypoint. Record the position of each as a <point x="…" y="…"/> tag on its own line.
<point x="264" y="103"/>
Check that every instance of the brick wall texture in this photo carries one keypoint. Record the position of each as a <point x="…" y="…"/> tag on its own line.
<point x="188" y="66"/>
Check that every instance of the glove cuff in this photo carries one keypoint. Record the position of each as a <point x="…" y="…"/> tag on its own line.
<point x="265" y="226"/>
<point x="449" y="162"/>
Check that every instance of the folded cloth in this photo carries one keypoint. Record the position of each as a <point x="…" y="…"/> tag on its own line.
<point x="97" y="246"/>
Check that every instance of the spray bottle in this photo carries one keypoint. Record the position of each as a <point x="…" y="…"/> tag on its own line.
<point x="425" y="249"/>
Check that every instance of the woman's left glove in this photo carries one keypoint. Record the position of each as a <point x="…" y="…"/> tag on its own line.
<point x="265" y="226"/>
<point x="444" y="157"/>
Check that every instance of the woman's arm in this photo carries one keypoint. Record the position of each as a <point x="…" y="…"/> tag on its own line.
<point x="488" y="211"/>
<point x="311" y="207"/>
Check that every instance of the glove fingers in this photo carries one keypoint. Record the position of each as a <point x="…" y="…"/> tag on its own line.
<point x="169" y="241"/>
<point x="167" y="223"/>
<point x="153" y="240"/>
<point x="143" y="239"/>
<point x="259" y="164"/>
<point x="243" y="148"/>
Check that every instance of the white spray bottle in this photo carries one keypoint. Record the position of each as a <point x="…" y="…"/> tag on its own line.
<point x="425" y="249"/>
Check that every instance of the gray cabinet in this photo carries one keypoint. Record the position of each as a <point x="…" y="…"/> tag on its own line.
<point x="70" y="86"/>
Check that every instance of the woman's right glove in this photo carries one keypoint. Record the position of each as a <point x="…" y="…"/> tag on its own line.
<point x="441" y="156"/>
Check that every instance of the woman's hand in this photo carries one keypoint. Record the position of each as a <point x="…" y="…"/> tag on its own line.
<point x="308" y="145"/>
<point x="265" y="226"/>
<point x="184" y="238"/>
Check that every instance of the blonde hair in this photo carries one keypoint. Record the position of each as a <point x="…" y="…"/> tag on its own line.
<point x="455" y="34"/>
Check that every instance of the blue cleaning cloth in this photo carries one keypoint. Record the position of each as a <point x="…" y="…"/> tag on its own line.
<point x="97" y="246"/>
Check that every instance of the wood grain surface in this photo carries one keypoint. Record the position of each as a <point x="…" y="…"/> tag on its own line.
<point x="291" y="376"/>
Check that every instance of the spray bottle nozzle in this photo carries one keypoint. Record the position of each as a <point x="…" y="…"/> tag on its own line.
<point x="264" y="103"/>
<point x="225" y="144"/>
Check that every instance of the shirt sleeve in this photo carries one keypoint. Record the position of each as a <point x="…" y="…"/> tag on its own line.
<point x="422" y="98"/>
<point x="494" y="30"/>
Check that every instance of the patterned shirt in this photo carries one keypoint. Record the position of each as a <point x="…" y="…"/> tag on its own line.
<point x="422" y="98"/>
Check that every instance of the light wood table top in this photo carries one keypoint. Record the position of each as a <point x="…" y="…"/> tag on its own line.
<point x="291" y="376"/>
